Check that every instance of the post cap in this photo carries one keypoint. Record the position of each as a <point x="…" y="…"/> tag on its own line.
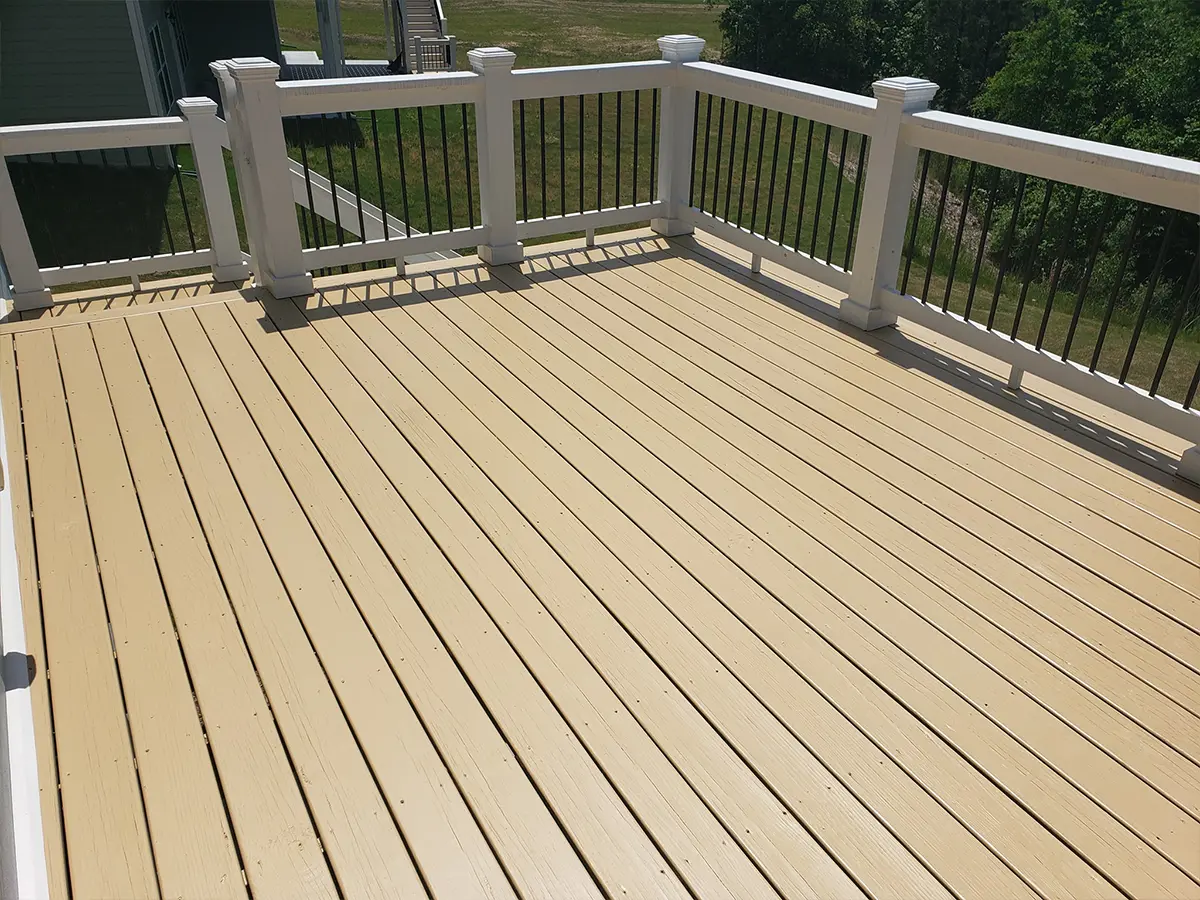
<point x="483" y="58"/>
<point x="912" y="93"/>
<point x="196" y="106"/>
<point x="252" y="68"/>
<point x="681" y="48"/>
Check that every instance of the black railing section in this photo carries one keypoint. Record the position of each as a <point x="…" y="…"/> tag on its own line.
<point x="1109" y="283"/>
<point x="585" y="153"/>
<point x="394" y="173"/>
<point x="101" y="205"/>
<point x="790" y="180"/>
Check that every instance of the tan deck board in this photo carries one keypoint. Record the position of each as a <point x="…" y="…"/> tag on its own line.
<point x="107" y="840"/>
<point x="621" y="573"/>
<point x="278" y="844"/>
<point x="1027" y="421"/>
<point x="1109" y="782"/>
<point x="189" y="831"/>
<point x="695" y="509"/>
<point x="35" y="636"/>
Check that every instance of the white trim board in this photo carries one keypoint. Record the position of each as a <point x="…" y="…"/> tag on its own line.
<point x="22" y="850"/>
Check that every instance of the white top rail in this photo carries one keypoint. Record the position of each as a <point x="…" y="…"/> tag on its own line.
<point x="809" y="101"/>
<point x="566" y="81"/>
<point x="1150" y="177"/>
<point x="104" y="135"/>
<point x="329" y="95"/>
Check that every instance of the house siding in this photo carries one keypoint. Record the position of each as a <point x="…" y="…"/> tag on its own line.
<point x="224" y="29"/>
<point x="68" y="60"/>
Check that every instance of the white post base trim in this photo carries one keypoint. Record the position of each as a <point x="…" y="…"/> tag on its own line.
<point x="672" y="227"/>
<point x="291" y="286"/>
<point x="755" y="263"/>
<point x="589" y="237"/>
<point x="33" y="299"/>
<point x="1189" y="465"/>
<point x="399" y="266"/>
<point x="866" y="318"/>
<point x="239" y="272"/>
<point x="502" y="255"/>
<point x="1014" y="378"/>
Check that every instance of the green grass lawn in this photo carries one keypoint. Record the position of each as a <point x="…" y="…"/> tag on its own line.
<point x="540" y="32"/>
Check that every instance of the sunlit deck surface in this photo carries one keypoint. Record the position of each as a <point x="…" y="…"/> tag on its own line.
<point x="625" y="573"/>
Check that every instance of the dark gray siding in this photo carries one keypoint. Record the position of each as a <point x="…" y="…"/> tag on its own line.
<point x="224" y="29"/>
<point x="68" y="60"/>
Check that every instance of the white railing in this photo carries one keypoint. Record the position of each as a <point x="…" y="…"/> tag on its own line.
<point x="198" y="126"/>
<point x="896" y="120"/>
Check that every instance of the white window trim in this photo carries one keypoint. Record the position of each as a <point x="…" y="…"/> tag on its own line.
<point x="141" y="43"/>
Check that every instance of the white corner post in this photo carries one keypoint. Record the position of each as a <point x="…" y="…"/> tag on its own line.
<point x="891" y="169"/>
<point x="497" y="164"/>
<point x="257" y="140"/>
<point x="28" y="291"/>
<point x="675" y="146"/>
<point x="1189" y="465"/>
<point x="209" y="154"/>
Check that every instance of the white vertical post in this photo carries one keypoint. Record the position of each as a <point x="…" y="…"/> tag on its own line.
<point x="675" y="148"/>
<point x="497" y="165"/>
<point x="241" y="166"/>
<point x="201" y="115"/>
<point x="28" y="291"/>
<point x="258" y="141"/>
<point x="891" y="167"/>
<point x="418" y="57"/>
<point x="389" y="34"/>
<point x="329" y="24"/>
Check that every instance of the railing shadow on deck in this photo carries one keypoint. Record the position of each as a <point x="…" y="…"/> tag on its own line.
<point x="1116" y="447"/>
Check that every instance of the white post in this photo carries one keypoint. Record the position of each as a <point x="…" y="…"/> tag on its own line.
<point x="389" y="34"/>
<point x="418" y="57"/>
<point x="675" y="147"/>
<point x="497" y="165"/>
<point x="329" y="25"/>
<point x="245" y="175"/>
<point x="201" y="115"/>
<point x="891" y="167"/>
<point x="28" y="291"/>
<point x="258" y="141"/>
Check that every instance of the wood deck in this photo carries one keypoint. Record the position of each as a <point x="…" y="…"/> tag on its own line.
<point x="623" y="574"/>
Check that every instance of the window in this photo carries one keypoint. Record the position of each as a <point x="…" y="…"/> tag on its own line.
<point x="181" y="46"/>
<point x="162" y="74"/>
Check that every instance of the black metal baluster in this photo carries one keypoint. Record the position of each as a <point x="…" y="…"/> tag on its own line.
<point x="1176" y="321"/>
<point x="166" y="218"/>
<point x="317" y="220"/>
<point x="732" y="154"/>
<point x="717" y="165"/>
<point x="524" y="171"/>
<point x="562" y="156"/>
<point x="304" y="226"/>
<point x="637" y="124"/>
<point x="704" y="164"/>
<point x="617" y="189"/>
<point x="837" y="196"/>
<point x="1097" y="239"/>
<point x="1030" y="259"/>
<point x="1150" y="287"/>
<point x="1058" y="266"/>
<point x="362" y="223"/>
<point x="446" y="169"/>
<point x="1191" y="391"/>
<point x="804" y="183"/>
<point x="984" y="229"/>
<point x="812" y="250"/>
<point x="745" y="161"/>
<point x="379" y="175"/>
<point x="187" y="216"/>
<point x="1008" y="238"/>
<point x="425" y="170"/>
<point x="542" y="132"/>
<point x="1126" y="248"/>
<point x="916" y="223"/>
<point x="599" y="151"/>
<point x="337" y="214"/>
<point x="581" y="206"/>
<point x="466" y="133"/>
<point x="937" y="228"/>
<point x="860" y="172"/>
<point x="962" y="221"/>
<point x="403" y="175"/>
<point x="774" y="165"/>
<point x="762" y="137"/>
<point x="654" y="145"/>
<point x="787" y="181"/>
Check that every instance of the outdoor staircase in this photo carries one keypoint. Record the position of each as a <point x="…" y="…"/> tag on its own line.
<point x="423" y="19"/>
